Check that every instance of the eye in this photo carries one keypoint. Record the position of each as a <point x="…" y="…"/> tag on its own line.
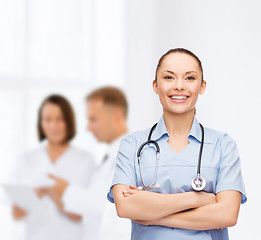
<point x="190" y="78"/>
<point x="168" y="77"/>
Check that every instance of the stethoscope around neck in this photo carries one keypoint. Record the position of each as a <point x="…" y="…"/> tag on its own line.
<point x="198" y="183"/>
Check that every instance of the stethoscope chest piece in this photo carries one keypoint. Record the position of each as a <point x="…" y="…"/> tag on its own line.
<point x="198" y="183"/>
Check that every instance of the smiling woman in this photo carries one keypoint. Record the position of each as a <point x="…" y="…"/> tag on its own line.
<point x="56" y="124"/>
<point x="158" y="212"/>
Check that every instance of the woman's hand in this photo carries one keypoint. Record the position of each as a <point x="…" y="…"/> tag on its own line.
<point x="40" y="192"/>
<point x="18" y="213"/>
<point x="55" y="193"/>
<point x="133" y="189"/>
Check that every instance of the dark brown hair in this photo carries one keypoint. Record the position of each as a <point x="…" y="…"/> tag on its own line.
<point x="178" y="50"/>
<point x="111" y="96"/>
<point x="68" y="116"/>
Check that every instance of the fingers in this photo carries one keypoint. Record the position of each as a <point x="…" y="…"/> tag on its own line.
<point x="126" y="193"/>
<point x="133" y="189"/>
<point x="18" y="213"/>
<point x="40" y="192"/>
<point x="129" y="192"/>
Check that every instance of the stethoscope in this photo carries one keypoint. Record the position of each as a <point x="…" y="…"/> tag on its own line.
<point x="198" y="183"/>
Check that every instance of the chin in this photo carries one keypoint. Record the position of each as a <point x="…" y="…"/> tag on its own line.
<point x="179" y="111"/>
<point x="58" y="140"/>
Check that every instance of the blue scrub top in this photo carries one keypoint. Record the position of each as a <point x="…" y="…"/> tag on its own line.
<point x="220" y="167"/>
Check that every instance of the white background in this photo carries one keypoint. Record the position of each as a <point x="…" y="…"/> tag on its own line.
<point x="73" y="46"/>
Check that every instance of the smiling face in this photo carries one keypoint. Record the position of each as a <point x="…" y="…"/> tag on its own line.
<point x="179" y="82"/>
<point x="53" y="123"/>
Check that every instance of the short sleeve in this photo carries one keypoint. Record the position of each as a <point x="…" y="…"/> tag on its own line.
<point x="124" y="170"/>
<point x="229" y="175"/>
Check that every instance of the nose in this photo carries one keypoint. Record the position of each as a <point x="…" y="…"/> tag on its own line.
<point x="179" y="84"/>
<point x="54" y="125"/>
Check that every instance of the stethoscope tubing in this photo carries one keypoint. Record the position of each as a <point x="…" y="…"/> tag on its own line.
<point x="194" y="181"/>
<point x="201" y="150"/>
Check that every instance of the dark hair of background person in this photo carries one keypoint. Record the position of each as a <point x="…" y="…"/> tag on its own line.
<point x="179" y="50"/>
<point x="68" y="115"/>
<point x="110" y="96"/>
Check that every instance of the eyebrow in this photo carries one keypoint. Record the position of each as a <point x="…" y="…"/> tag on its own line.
<point x="190" y="72"/>
<point x="169" y="72"/>
<point x="175" y="74"/>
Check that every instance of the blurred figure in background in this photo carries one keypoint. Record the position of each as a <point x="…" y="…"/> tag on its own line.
<point x="107" y="109"/>
<point x="56" y="124"/>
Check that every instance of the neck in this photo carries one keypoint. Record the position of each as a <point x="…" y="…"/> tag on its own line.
<point x="118" y="132"/>
<point x="55" y="150"/>
<point x="178" y="124"/>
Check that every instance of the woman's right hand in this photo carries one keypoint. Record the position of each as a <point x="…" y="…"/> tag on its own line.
<point x="18" y="213"/>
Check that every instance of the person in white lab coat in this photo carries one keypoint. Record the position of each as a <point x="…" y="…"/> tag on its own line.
<point x="56" y="124"/>
<point x="106" y="113"/>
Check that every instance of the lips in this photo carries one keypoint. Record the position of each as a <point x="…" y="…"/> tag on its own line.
<point x="178" y="98"/>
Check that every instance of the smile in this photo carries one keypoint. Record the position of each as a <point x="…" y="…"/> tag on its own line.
<point x="179" y="97"/>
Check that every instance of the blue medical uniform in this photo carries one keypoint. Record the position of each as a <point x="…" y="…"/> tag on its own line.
<point x="220" y="167"/>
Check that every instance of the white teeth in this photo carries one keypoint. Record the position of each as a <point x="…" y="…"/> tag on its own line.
<point x="179" y="97"/>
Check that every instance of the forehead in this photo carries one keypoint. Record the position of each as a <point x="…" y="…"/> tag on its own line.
<point x="95" y="106"/>
<point x="51" y="108"/>
<point x="179" y="62"/>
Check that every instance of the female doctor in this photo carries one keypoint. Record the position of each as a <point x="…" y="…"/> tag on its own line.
<point x="166" y="206"/>
<point x="56" y="124"/>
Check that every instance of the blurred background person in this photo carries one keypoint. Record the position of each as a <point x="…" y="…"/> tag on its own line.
<point x="56" y="124"/>
<point x="107" y="110"/>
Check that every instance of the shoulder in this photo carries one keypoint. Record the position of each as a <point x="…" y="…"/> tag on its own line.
<point x="31" y="157"/>
<point x="130" y="144"/>
<point x="216" y="136"/>
<point x="136" y="137"/>
<point x="219" y="138"/>
<point x="36" y="152"/>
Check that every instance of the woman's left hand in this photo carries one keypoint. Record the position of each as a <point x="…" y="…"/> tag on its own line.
<point x="132" y="189"/>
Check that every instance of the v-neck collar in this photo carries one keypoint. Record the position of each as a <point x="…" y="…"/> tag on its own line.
<point x="59" y="158"/>
<point x="195" y="131"/>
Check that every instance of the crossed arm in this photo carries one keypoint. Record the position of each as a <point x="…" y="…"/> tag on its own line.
<point x="204" y="210"/>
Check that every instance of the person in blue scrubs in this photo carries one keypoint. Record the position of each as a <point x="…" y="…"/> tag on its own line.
<point x="174" y="210"/>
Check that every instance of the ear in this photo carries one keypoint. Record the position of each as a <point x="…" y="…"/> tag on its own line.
<point x="155" y="86"/>
<point x="203" y="87"/>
